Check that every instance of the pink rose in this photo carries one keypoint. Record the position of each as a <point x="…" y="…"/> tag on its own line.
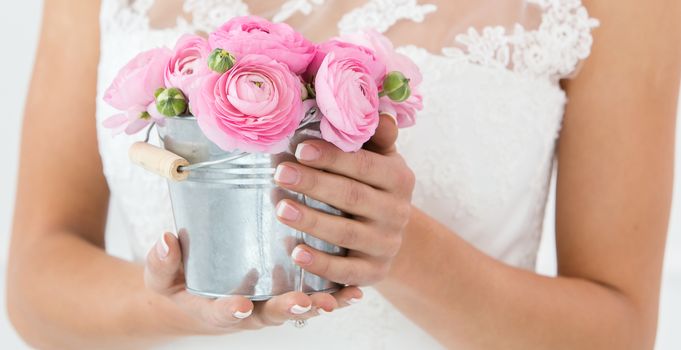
<point x="132" y="92"/>
<point x="136" y="82"/>
<point x="188" y="63"/>
<point x="347" y="96"/>
<point x="254" y="107"/>
<point x="134" y="119"/>
<point x="403" y="111"/>
<point x="374" y="65"/>
<point x="253" y="35"/>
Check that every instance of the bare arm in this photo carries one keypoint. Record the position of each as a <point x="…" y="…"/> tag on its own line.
<point x="64" y="291"/>
<point x="614" y="185"/>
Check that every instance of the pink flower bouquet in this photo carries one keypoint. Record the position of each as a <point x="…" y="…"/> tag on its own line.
<point x="254" y="89"/>
<point x="251" y="83"/>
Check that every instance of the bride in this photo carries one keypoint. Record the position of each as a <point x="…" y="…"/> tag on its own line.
<point x="446" y="223"/>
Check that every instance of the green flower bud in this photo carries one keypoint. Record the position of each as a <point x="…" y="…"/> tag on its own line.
<point x="396" y="87"/>
<point x="309" y="87"/>
<point x="158" y="92"/>
<point x="220" y="60"/>
<point x="171" y="102"/>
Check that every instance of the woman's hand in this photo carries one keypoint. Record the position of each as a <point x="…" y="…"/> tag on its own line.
<point x="375" y="188"/>
<point x="163" y="274"/>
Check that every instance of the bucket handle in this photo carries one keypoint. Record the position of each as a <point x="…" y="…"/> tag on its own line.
<point x="165" y="163"/>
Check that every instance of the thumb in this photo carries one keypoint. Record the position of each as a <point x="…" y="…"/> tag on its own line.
<point x="163" y="270"/>
<point x="384" y="138"/>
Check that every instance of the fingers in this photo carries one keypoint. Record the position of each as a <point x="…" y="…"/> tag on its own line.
<point x="338" y="191"/>
<point x="364" y="166"/>
<point x="338" y="230"/>
<point x="383" y="141"/>
<point x="348" y="296"/>
<point x="282" y="308"/>
<point x="299" y="306"/>
<point x="163" y="274"/>
<point x="220" y="314"/>
<point x="323" y="302"/>
<point x="238" y="308"/>
<point x="350" y="270"/>
<point x="163" y="270"/>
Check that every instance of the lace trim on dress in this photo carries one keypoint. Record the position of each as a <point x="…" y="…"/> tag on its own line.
<point x="554" y="50"/>
<point x="210" y="14"/>
<point x="383" y="14"/>
<point x="290" y="7"/>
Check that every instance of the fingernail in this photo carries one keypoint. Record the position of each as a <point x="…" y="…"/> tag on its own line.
<point x="353" y="301"/>
<point x="241" y="315"/>
<point x="307" y="152"/>
<point x="162" y="248"/>
<point x="286" y="175"/>
<point x="287" y="211"/>
<point x="299" y="310"/>
<point x="392" y="116"/>
<point x="323" y="312"/>
<point x="301" y="256"/>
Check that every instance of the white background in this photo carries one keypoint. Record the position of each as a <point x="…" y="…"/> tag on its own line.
<point x="19" y="26"/>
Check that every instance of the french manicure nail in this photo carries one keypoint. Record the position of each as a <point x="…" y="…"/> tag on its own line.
<point x="162" y="248"/>
<point x="299" y="310"/>
<point x="353" y="301"/>
<point x="323" y="312"/>
<point x="241" y="315"/>
<point x="286" y="175"/>
<point x="301" y="256"/>
<point x="307" y="152"/>
<point x="287" y="211"/>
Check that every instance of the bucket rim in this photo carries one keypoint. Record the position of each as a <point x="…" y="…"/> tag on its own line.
<point x="182" y="117"/>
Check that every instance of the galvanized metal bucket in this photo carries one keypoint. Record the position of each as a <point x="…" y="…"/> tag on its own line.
<point x="232" y="242"/>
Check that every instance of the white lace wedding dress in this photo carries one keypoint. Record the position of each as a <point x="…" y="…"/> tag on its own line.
<point x="482" y="148"/>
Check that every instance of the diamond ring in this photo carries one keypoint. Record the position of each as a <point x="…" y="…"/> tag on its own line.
<point x="299" y="323"/>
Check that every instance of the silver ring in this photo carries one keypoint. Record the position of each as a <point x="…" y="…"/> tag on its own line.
<point x="299" y="323"/>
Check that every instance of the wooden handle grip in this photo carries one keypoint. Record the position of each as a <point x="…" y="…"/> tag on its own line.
<point x="158" y="161"/>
